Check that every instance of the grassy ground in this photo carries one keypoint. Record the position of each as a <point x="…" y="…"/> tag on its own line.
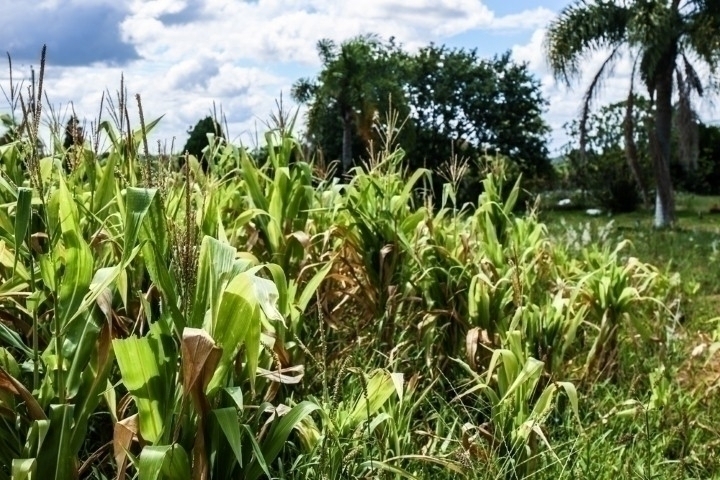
<point x="679" y="436"/>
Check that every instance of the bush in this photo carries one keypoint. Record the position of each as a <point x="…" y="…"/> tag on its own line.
<point x="607" y="179"/>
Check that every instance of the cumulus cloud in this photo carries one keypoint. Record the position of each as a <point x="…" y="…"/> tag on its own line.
<point x="183" y="55"/>
<point x="77" y="33"/>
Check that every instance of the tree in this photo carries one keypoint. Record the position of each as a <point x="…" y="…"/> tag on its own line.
<point x="357" y="81"/>
<point x="661" y="36"/>
<point x="73" y="133"/>
<point x="72" y="144"/>
<point x="705" y="179"/>
<point x="198" y="139"/>
<point x="602" y="168"/>
<point x="466" y="106"/>
<point x="452" y="103"/>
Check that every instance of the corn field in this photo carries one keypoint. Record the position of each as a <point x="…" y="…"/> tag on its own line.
<point x="264" y="319"/>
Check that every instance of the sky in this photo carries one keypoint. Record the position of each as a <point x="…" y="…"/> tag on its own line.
<point x="183" y="55"/>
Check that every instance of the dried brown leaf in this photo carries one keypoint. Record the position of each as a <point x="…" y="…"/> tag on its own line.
<point x="124" y="434"/>
<point x="12" y="385"/>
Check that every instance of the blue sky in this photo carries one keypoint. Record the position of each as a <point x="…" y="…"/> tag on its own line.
<point x="181" y="55"/>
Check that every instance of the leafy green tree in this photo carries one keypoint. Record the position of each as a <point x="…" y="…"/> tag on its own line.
<point x="357" y="81"/>
<point x="662" y="36"/>
<point x="198" y="139"/>
<point x="73" y="133"/>
<point x="466" y="106"/>
<point x="452" y="103"/>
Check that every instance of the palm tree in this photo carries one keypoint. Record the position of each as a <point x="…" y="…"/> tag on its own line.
<point x="663" y="37"/>
<point x="345" y="85"/>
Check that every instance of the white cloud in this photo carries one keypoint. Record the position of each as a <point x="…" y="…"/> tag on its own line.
<point x="240" y="53"/>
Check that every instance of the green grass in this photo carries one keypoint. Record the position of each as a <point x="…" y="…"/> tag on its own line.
<point x="679" y="438"/>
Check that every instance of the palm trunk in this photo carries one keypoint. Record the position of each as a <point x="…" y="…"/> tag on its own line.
<point x="664" y="201"/>
<point x="347" y="142"/>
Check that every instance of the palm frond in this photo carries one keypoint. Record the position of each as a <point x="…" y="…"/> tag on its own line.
<point x="702" y="35"/>
<point x="686" y="123"/>
<point x="631" y="149"/>
<point x="584" y="28"/>
<point x="591" y="92"/>
<point x="691" y="76"/>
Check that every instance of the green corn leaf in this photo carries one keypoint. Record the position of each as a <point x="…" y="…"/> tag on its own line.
<point x="313" y="284"/>
<point x="94" y="383"/>
<point x="78" y="259"/>
<point x="252" y="350"/>
<point x="410" y="183"/>
<point x="166" y="462"/>
<point x="138" y="134"/>
<point x="237" y="309"/>
<point x="6" y="153"/>
<point x="23" y="213"/>
<point x="236" y="395"/>
<point x="227" y="420"/>
<point x="380" y="388"/>
<point x="12" y="339"/>
<point x="55" y="459"/>
<point x="78" y="346"/>
<point x="279" y="193"/>
<point x="543" y="404"/>
<point x="273" y="444"/>
<point x="251" y="175"/>
<point x="154" y="237"/>
<point x="107" y="127"/>
<point x="278" y="277"/>
<point x="138" y="360"/>
<point x="244" y="300"/>
<point x="24" y="469"/>
<point x="572" y="395"/>
<point x="374" y="465"/>
<point x="511" y="200"/>
<point x="258" y="459"/>
<point x="528" y="377"/>
<point x="137" y="205"/>
<point x="215" y="263"/>
<point x="106" y="189"/>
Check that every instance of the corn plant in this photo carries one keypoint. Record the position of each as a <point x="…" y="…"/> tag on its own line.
<point x="616" y="294"/>
<point x="514" y="412"/>
<point x="354" y="435"/>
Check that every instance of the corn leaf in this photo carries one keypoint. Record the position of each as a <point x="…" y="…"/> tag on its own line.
<point x="273" y="444"/>
<point x="311" y="287"/>
<point x="227" y="420"/>
<point x="244" y="300"/>
<point x="105" y="191"/>
<point x="78" y="262"/>
<point x="215" y="263"/>
<point x="137" y="206"/>
<point x="23" y="212"/>
<point x="380" y="388"/>
<point x="24" y="469"/>
<point x="138" y="361"/>
<point x="55" y="459"/>
<point x="167" y="462"/>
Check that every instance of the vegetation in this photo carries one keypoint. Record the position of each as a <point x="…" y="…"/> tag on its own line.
<point x="662" y="37"/>
<point x="454" y="105"/>
<point x="262" y="318"/>
<point x="201" y="136"/>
